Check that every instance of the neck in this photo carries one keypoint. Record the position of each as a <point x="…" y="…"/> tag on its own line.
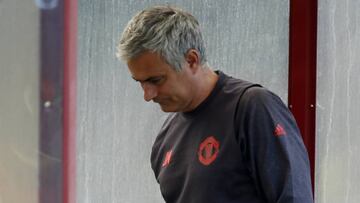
<point x="206" y="82"/>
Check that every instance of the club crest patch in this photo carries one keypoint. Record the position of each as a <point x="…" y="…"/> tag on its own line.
<point x="208" y="150"/>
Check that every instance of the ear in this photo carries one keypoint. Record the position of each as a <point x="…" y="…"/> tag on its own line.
<point x="192" y="58"/>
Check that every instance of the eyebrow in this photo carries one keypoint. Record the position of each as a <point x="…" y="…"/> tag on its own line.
<point x="148" y="79"/>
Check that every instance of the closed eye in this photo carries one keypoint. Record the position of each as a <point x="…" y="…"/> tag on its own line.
<point x="155" y="80"/>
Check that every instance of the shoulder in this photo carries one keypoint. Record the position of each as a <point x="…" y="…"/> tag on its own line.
<point x="238" y="87"/>
<point x="170" y="118"/>
<point x="164" y="129"/>
<point x="259" y="101"/>
<point x="258" y="95"/>
<point x="165" y="126"/>
<point x="235" y="84"/>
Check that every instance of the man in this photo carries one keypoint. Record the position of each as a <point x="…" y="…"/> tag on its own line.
<point x="228" y="140"/>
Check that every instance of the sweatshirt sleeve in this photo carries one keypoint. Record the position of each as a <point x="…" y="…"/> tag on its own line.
<point x="273" y="149"/>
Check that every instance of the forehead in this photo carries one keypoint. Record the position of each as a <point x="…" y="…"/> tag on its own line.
<point x="148" y="65"/>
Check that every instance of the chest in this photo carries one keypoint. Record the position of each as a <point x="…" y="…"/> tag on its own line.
<point x="197" y="159"/>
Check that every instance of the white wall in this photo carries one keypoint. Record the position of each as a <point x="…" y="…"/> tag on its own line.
<point x="338" y="102"/>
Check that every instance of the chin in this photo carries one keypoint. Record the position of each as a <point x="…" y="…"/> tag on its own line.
<point x="168" y="108"/>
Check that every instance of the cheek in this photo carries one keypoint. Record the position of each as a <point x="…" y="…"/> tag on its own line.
<point x="166" y="94"/>
<point x="169" y="94"/>
<point x="183" y="94"/>
<point x="176" y="92"/>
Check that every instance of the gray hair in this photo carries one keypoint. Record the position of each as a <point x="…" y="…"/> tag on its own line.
<point x="165" y="30"/>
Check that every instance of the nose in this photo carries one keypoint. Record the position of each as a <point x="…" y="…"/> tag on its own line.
<point x="150" y="91"/>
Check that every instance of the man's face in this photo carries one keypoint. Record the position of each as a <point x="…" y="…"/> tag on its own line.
<point x="172" y="90"/>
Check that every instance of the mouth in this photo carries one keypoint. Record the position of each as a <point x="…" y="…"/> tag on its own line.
<point x="161" y="102"/>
